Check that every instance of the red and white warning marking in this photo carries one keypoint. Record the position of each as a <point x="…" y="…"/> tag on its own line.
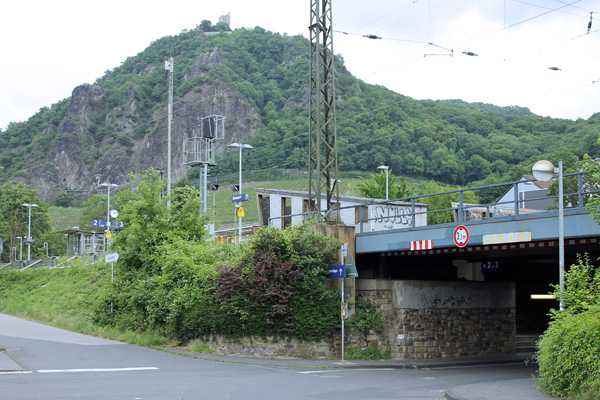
<point x="421" y="245"/>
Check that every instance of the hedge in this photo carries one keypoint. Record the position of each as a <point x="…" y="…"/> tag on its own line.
<point x="569" y="356"/>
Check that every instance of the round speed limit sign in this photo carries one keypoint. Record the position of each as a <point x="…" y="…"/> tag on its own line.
<point x="461" y="236"/>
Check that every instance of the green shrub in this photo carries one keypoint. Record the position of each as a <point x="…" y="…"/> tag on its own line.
<point x="366" y="318"/>
<point x="582" y="286"/>
<point x="197" y="346"/>
<point x="371" y="352"/>
<point x="569" y="354"/>
<point x="279" y="287"/>
<point x="274" y="286"/>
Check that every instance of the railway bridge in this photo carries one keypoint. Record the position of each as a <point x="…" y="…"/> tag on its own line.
<point x="465" y="280"/>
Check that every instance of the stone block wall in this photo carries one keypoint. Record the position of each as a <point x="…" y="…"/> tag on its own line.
<point x="268" y="347"/>
<point x="437" y="319"/>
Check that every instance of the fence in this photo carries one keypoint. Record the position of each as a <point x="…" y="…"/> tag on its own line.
<point x="509" y="199"/>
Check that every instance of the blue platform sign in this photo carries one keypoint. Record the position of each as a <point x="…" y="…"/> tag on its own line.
<point x="101" y="223"/>
<point x="238" y="198"/>
<point x="337" y="271"/>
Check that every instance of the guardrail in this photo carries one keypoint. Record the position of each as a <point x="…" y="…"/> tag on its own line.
<point x="458" y="209"/>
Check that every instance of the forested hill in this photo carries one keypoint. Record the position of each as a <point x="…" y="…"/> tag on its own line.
<point x="258" y="80"/>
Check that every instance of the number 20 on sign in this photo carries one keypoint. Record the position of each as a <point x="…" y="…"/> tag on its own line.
<point x="461" y="236"/>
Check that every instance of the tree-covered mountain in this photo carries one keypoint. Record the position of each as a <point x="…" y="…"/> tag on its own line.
<point x="258" y="80"/>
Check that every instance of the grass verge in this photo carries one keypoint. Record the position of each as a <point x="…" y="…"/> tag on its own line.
<point x="65" y="298"/>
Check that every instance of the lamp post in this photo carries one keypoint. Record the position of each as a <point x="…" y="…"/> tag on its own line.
<point x="29" y="206"/>
<point x="241" y="147"/>
<point x="544" y="171"/>
<point x="108" y="186"/>
<point x="387" y="180"/>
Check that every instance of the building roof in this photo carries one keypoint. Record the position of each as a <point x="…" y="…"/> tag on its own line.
<point x="540" y="184"/>
<point x="355" y="199"/>
<point x="76" y="231"/>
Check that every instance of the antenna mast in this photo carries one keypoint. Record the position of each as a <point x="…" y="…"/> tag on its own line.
<point x="322" y="145"/>
<point x="169" y="66"/>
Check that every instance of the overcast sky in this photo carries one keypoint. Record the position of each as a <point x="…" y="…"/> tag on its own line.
<point x="49" y="47"/>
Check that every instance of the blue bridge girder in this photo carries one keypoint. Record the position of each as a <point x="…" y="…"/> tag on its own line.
<point x="541" y="225"/>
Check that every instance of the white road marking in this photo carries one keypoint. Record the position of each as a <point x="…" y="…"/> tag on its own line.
<point x="55" y="371"/>
<point x="478" y="365"/>
<point x="15" y="372"/>
<point x="338" y="370"/>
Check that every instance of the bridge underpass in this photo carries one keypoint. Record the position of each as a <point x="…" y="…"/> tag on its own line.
<point x="532" y="266"/>
<point x="467" y="298"/>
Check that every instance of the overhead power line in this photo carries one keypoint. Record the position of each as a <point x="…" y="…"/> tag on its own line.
<point x="377" y="37"/>
<point x="371" y="36"/>
<point x="572" y="5"/>
<point x="526" y="3"/>
<point x="449" y="52"/>
<point x="550" y="11"/>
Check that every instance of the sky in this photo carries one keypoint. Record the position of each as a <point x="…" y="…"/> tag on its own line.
<point x="50" y="47"/>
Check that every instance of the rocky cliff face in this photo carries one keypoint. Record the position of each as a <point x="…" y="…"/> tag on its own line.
<point x="68" y="166"/>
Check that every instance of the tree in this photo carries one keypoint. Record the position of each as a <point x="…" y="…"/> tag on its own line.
<point x="149" y="224"/>
<point x="64" y="199"/>
<point x="592" y="184"/>
<point x="374" y="187"/>
<point x="13" y="221"/>
<point x="205" y="26"/>
<point x="93" y="208"/>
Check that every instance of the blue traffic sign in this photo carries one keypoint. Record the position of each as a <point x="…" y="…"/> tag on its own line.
<point x="238" y="198"/>
<point x="337" y="271"/>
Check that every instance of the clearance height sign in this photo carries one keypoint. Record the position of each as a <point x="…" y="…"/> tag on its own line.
<point x="461" y="236"/>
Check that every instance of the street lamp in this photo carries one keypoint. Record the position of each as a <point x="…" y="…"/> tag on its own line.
<point x="544" y="171"/>
<point x="108" y="186"/>
<point x="387" y="180"/>
<point x="29" y="206"/>
<point x="241" y="147"/>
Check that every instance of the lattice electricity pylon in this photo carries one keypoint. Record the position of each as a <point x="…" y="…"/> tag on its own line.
<point x="322" y="144"/>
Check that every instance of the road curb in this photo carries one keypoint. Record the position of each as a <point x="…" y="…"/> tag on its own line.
<point x="448" y="395"/>
<point x="331" y="364"/>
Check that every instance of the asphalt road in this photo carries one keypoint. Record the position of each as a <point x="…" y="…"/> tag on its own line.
<point x="60" y="365"/>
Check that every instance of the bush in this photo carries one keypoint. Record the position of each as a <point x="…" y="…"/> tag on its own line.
<point x="366" y="318"/>
<point x="569" y="355"/>
<point x="279" y="287"/>
<point x="582" y="286"/>
<point x="274" y="286"/>
<point x="371" y="352"/>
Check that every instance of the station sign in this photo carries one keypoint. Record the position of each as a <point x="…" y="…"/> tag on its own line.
<point x="101" y="223"/>
<point x="111" y="257"/>
<point x="238" y="198"/>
